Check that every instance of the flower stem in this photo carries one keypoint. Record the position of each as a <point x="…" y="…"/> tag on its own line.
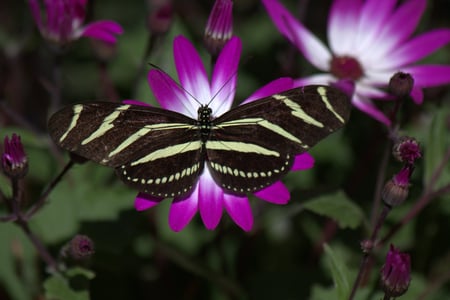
<point x="428" y="195"/>
<point x="41" y="201"/>
<point x="43" y="252"/>
<point x="379" y="184"/>
<point x="151" y="44"/>
<point x="366" y="256"/>
<point x="415" y="210"/>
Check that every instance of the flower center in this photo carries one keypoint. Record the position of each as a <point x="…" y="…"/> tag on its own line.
<point x="346" y="67"/>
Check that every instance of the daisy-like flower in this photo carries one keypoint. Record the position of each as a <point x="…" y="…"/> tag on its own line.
<point x="207" y="197"/>
<point x="369" y="41"/>
<point x="63" y="21"/>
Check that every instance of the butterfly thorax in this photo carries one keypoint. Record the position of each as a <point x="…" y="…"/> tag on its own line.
<point x="204" y="122"/>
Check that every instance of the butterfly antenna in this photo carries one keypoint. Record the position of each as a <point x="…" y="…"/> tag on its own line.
<point x="232" y="77"/>
<point x="178" y="84"/>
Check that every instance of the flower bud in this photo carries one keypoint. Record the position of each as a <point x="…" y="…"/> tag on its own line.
<point x="14" y="159"/>
<point x="396" y="190"/>
<point x="80" y="247"/>
<point x="219" y="28"/>
<point x="401" y="84"/>
<point x="160" y="17"/>
<point x="396" y="273"/>
<point x="406" y="149"/>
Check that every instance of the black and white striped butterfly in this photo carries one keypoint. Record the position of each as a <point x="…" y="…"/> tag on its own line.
<point x="162" y="152"/>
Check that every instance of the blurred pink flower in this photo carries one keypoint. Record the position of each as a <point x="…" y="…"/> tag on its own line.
<point x="369" y="41"/>
<point x="62" y="22"/>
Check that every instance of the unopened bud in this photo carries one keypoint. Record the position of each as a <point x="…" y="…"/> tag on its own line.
<point x="80" y="247"/>
<point x="219" y="28"/>
<point x="14" y="159"/>
<point x="396" y="273"/>
<point x="401" y="84"/>
<point x="160" y="17"/>
<point x="396" y="190"/>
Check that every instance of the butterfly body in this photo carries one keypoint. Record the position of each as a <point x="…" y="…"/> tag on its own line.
<point x="163" y="153"/>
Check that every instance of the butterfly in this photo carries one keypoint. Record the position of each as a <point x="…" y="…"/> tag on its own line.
<point x="163" y="153"/>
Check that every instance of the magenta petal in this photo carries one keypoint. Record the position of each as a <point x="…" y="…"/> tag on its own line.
<point x="36" y="12"/>
<point x="276" y="193"/>
<point x="182" y="211"/>
<point x="103" y="30"/>
<point x="429" y="75"/>
<point x="343" y="21"/>
<point x="304" y="161"/>
<point x="144" y="201"/>
<point x="239" y="210"/>
<point x="224" y="77"/>
<point x="374" y="15"/>
<point x="191" y="72"/>
<point x="417" y="94"/>
<point x="311" y="47"/>
<point x="210" y="200"/>
<point x="273" y="87"/>
<point x="419" y="47"/>
<point x="135" y="102"/>
<point x="169" y="94"/>
<point x="400" y="25"/>
<point x="369" y="108"/>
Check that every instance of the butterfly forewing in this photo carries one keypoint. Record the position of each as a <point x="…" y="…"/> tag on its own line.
<point x="154" y="150"/>
<point x="268" y="133"/>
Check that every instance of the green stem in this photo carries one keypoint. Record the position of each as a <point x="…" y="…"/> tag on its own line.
<point x="366" y="256"/>
<point x="41" y="201"/>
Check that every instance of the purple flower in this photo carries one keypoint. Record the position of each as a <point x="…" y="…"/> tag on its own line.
<point x="14" y="159"/>
<point x="396" y="273"/>
<point x="64" y="22"/>
<point x="369" y="42"/>
<point x="407" y="150"/>
<point x="207" y="197"/>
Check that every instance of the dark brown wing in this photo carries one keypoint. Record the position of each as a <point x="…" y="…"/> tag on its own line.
<point x="154" y="150"/>
<point x="255" y="144"/>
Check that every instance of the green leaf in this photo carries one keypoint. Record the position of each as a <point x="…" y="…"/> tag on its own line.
<point x="339" y="273"/>
<point x="18" y="275"/>
<point x="437" y="144"/>
<point x="86" y="193"/>
<point x="338" y="207"/>
<point x="72" y="287"/>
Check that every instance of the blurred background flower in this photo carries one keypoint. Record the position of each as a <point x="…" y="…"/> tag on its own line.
<point x="368" y="41"/>
<point x="61" y="22"/>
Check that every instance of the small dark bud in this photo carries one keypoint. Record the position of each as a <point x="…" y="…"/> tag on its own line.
<point x="219" y="28"/>
<point x="396" y="190"/>
<point x="160" y="17"/>
<point x="396" y="273"/>
<point x="104" y="51"/>
<point x="80" y="247"/>
<point x="407" y="150"/>
<point x="366" y="246"/>
<point x="14" y="159"/>
<point x="401" y="84"/>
